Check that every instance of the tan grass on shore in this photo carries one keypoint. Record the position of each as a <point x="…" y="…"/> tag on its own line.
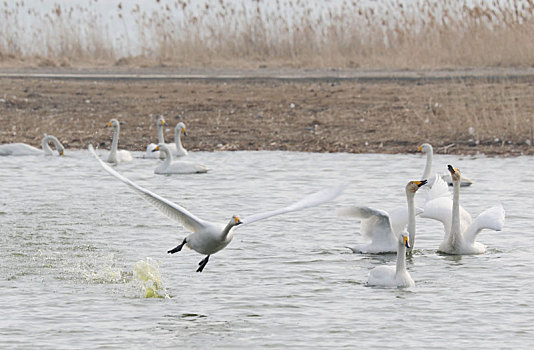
<point x="225" y="34"/>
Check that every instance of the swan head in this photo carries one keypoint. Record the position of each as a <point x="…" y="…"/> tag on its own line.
<point x="425" y="148"/>
<point x="180" y="129"/>
<point x="455" y="173"/>
<point x="404" y="239"/>
<point x="113" y="123"/>
<point x="413" y="186"/>
<point x="161" y="121"/>
<point x="234" y="221"/>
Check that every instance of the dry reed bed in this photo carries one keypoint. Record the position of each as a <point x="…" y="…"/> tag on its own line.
<point x="476" y="116"/>
<point x="219" y="33"/>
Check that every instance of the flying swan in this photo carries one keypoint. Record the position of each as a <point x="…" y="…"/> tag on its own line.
<point x="461" y="230"/>
<point x="393" y="276"/>
<point x="169" y="166"/>
<point x="383" y="227"/>
<point x="150" y="153"/>
<point x="208" y="238"/>
<point x="22" y="149"/>
<point x="427" y="149"/>
<point x="117" y="156"/>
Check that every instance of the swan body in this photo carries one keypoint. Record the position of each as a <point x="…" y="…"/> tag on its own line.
<point x="208" y="238"/>
<point x="460" y="229"/>
<point x="22" y="149"/>
<point x="393" y="276"/>
<point x="427" y="149"/>
<point x="176" y="148"/>
<point x="383" y="227"/>
<point x="169" y="166"/>
<point x="150" y="153"/>
<point x="115" y="155"/>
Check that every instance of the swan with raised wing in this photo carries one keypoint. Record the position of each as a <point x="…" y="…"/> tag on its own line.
<point x="115" y="155"/>
<point x="208" y="238"/>
<point x="461" y="230"/>
<point x="23" y="149"/>
<point x="383" y="227"/>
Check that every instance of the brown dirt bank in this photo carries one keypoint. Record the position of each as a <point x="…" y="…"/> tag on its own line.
<point x="460" y="115"/>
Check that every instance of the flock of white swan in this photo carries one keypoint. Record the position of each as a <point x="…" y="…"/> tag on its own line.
<point x="387" y="232"/>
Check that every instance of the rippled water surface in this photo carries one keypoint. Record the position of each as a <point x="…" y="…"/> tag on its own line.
<point x="73" y="240"/>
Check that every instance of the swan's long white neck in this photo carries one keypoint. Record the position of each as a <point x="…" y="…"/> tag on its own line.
<point x="428" y="166"/>
<point x="455" y="226"/>
<point x="178" y="140"/>
<point x="168" y="155"/>
<point x="160" y="132"/>
<point x="401" y="259"/>
<point x="226" y="231"/>
<point x="46" y="148"/>
<point x="411" y="218"/>
<point x="115" y="142"/>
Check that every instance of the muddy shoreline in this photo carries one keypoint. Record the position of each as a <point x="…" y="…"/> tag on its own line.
<point x="313" y="114"/>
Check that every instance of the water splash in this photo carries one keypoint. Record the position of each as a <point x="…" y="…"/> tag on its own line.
<point x="146" y="272"/>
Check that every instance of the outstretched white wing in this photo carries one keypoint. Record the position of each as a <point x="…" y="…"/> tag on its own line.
<point x="170" y="209"/>
<point x="375" y="224"/>
<point x="309" y="201"/>
<point x="492" y="218"/>
<point x="398" y="218"/>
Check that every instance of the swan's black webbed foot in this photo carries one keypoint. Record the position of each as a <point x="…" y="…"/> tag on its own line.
<point x="203" y="263"/>
<point x="178" y="248"/>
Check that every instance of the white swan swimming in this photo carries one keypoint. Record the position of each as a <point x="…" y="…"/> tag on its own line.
<point x="169" y="166"/>
<point x="150" y="153"/>
<point x="383" y="227"/>
<point x="427" y="149"/>
<point x="208" y="238"/>
<point x="176" y="148"/>
<point x="22" y="149"/>
<point x="393" y="276"/>
<point x="117" y="156"/>
<point x="461" y="230"/>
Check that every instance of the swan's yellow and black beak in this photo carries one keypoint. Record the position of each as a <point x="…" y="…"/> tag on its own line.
<point x="155" y="149"/>
<point x="419" y="149"/>
<point x="237" y="220"/>
<point x="62" y="152"/>
<point x="451" y="169"/>
<point x="420" y="183"/>
<point x="405" y="241"/>
<point x="163" y="122"/>
<point x="184" y="132"/>
<point x="108" y="125"/>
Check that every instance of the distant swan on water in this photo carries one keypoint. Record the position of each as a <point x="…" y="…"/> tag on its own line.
<point x="23" y="149"/>
<point x="427" y="149"/>
<point x="150" y="153"/>
<point x="176" y="148"/>
<point x="115" y="155"/>
<point x="208" y="238"/>
<point x="169" y="166"/>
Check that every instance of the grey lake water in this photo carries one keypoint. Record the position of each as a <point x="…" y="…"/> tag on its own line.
<point x="83" y="259"/>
